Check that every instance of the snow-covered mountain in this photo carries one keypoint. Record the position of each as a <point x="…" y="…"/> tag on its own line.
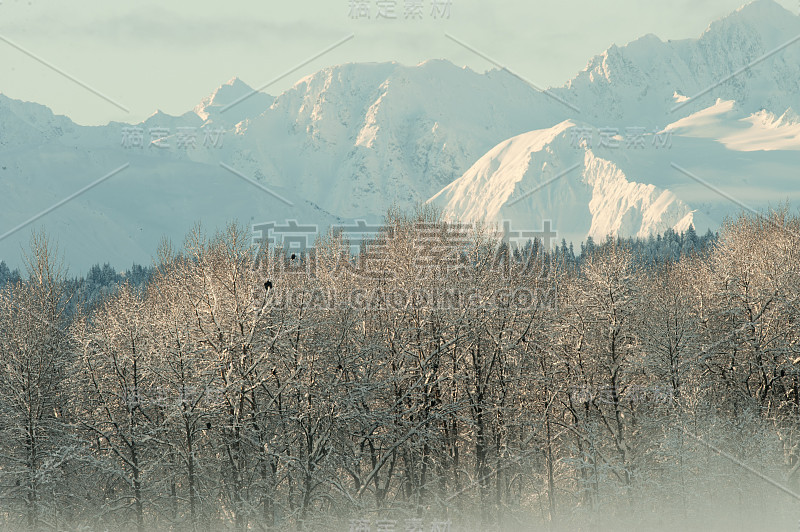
<point x="540" y="176"/>
<point x="358" y="137"/>
<point x="751" y="56"/>
<point x="231" y="103"/>
<point x="139" y="190"/>
<point x="659" y="138"/>
<point x="634" y="152"/>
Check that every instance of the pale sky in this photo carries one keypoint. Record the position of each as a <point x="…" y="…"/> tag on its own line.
<point x="168" y="55"/>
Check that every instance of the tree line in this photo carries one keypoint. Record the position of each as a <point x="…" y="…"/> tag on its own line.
<point x="615" y="390"/>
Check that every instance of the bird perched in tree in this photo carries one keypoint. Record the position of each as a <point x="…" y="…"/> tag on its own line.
<point x="293" y="256"/>
<point x="267" y="285"/>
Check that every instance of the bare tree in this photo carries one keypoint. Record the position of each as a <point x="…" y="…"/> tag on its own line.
<point x="34" y="409"/>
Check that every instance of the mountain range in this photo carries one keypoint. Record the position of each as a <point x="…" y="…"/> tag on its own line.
<point x="651" y="135"/>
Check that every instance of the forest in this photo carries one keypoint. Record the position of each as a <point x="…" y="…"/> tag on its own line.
<point x="431" y="382"/>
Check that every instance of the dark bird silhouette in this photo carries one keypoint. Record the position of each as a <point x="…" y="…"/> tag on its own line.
<point x="267" y="285"/>
<point x="208" y="425"/>
<point x="293" y="256"/>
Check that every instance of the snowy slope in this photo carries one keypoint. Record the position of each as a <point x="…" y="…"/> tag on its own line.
<point x="725" y="122"/>
<point x="358" y="138"/>
<point x="541" y="176"/>
<point x="589" y="187"/>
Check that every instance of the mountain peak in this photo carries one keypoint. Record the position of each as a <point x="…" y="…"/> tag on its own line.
<point x="228" y="92"/>
<point x="767" y="17"/>
<point x="762" y="9"/>
<point x="437" y="63"/>
<point x="252" y="102"/>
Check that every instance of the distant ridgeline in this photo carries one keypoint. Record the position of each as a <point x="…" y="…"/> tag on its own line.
<point x="669" y="246"/>
<point x="7" y="275"/>
<point x="647" y="252"/>
<point x="98" y="283"/>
